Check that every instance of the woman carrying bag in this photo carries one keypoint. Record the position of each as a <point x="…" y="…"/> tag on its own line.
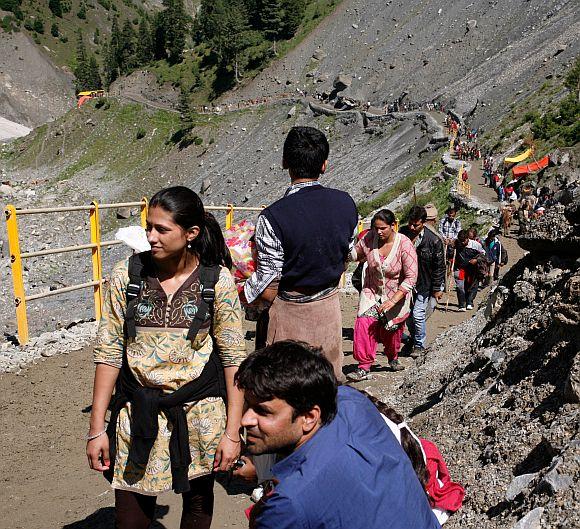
<point x="169" y="342"/>
<point x="385" y="300"/>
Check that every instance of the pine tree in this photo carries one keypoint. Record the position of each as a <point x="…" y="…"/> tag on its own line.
<point x="112" y="54"/>
<point x="94" y="81"/>
<point x="158" y="36"/>
<point x="271" y="18"/>
<point x="176" y="25"/>
<point x="56" y="7"/>
<point x="293" y="14"/>
<point x="127" y="48"/>
<point x="144" y="43"/>
<point x="81" y="68"/>
<point x="184" y="108"/>
<point x="236" y="32"/>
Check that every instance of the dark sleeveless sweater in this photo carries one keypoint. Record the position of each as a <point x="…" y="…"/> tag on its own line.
<point x="315" y="226"/>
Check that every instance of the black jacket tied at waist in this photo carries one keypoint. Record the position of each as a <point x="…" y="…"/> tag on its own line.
<point x="146" y="403"/>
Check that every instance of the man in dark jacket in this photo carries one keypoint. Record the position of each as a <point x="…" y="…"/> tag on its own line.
<point x="431" y="278"/>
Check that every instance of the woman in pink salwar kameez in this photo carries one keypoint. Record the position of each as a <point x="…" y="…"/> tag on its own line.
<point x="385" y="300"/>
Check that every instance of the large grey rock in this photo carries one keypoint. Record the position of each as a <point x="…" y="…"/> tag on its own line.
<point x="532" y="520"/>
<point x="342" y="82"/>
<point x="124" y="213"/>
<point x="518" y="485"/>
<point x="524" y="291"/>
<point x="554" y="481"/>
<point x="319" y="55"/>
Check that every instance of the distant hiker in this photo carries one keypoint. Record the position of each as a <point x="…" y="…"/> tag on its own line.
<point x="431" y="275"/>
<point x="303" y="241"/>
<point x="385" y="300"/>
<point x="341" y="467"/>
<point x="466" y="270"/>
<point x="170" y="341"/>
<point x="449" y="228"/>
<point x="496" y="254"/>
<point x="431" y="221"/>
<point x="477" y="244"/>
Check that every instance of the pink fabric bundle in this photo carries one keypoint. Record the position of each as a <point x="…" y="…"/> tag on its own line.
<point x="241" y="248"/>
<point x="443" y="493"/>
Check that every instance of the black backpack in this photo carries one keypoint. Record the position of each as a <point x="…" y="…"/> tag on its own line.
<point x="138" y="266"/>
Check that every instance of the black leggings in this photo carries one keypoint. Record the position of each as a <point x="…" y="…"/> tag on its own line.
<point x="137" y="511"/>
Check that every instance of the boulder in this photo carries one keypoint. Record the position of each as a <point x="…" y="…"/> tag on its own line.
<point x="6" y="190"/>
<point x="319" y="55"/>
<point x="518" y="485"/>
<point x="124" y="213"/>
<point x="532" y="520"/>
<point x="342" y="82"/>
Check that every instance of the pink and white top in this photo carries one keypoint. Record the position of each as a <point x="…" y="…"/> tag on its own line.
<point x="384" y="276"/>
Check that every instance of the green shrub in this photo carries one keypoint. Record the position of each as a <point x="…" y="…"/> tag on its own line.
<point x="54" y="30"/>
<point x="141" y="133"/>
<point x="38" y="25"/>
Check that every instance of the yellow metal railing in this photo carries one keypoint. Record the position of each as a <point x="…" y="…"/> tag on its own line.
<point x="95" y="245"/>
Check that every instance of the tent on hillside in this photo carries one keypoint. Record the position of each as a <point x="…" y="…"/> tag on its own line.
<point x="520" y="157"/>
<point x="523" y="170"/>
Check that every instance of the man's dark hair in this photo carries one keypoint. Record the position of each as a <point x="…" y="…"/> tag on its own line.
<point x="294" y="372"/>
<point x="418" y="213"/>
<point x="305" y="151"/>
<point x="451" y="208"/>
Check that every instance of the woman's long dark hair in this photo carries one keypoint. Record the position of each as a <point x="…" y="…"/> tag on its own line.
<point x="386" y="215"/>
<point x="409" y="444"/>
<point x="187" y="210"/>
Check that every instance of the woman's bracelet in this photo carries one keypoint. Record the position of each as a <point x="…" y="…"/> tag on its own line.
<point x="91" y="437"/>
<point x="232" y="440"/>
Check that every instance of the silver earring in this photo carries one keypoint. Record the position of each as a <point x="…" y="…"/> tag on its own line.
<point x="189" y="245"/>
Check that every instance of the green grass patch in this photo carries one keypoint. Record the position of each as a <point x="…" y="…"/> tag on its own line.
<point x="365" y="207"/>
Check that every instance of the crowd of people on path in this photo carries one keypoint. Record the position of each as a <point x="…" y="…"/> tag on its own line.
<point x="520" y="199"/>
<point x="187" y="401"/>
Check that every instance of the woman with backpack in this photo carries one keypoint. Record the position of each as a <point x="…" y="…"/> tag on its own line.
<point x="169" y="342"/>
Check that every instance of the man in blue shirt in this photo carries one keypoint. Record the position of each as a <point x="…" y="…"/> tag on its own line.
<point x="342" y="467"/>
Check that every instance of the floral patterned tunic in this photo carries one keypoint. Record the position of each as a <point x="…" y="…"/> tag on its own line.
<point x="161" y="356"/>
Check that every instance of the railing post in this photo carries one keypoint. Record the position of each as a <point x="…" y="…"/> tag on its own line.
<point x="96" y="258"/>
<point x="144" y="211"/>
<point x="17" y="279"/>
<point x="230" y="216"/>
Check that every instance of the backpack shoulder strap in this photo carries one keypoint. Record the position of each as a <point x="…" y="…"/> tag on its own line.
<point x="137" y="265"/>
<point x="208" y="277"/>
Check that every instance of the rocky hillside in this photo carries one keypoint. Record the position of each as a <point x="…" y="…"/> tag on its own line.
<point x="479" y="57"/>
<point x="29" y="98"/>
<point x="499" y="394"/>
